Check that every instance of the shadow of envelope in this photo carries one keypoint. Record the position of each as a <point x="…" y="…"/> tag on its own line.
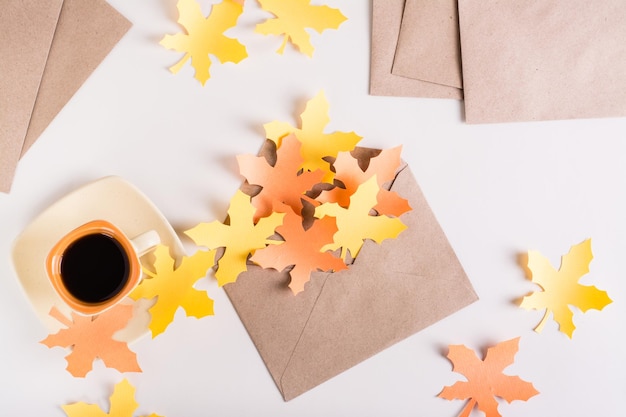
<point x="392" y="291"/>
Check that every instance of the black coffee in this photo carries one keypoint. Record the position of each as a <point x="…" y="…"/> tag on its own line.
<point x="94" y="268"/>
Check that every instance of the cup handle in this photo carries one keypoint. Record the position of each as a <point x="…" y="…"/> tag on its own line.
<point x="145" y="242"/>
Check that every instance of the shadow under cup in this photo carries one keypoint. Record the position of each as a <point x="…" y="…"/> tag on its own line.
<point x="95" y="265"/>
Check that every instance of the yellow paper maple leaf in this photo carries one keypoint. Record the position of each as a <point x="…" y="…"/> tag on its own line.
<point x="561" y="288"/>
<point x="355" y="224"/>
<point x="206" y="36"/>
<point x="173" y="287"/>
<point x="122" y="404"/>
<point x="240" y="238"/>
<point x="316" y="145"/>
<point x="293" y="16"/>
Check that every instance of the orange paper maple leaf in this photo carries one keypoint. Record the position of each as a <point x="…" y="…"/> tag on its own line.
<point x="317" y="146"/>
<point x="485" y="379"/>
<point x="206" y="36"/>
<point x="302" y="249"/>
<point x="92" y="337"/>
<point x="239" y="239"/>
<point x="351" y="175"/>
<point x="293" y="17"/>
<point x="282" y="183"/>
<point x="560" y="289"/>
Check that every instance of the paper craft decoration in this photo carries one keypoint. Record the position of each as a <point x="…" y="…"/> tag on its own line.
<point x="122" y="404"/>
<point x="485" y="379"/>
<point x="93" y="337"/>
<point x="240" y="238"/>
<point x="543" y="59"/>
<point x="206" y="36"/>
<point x="302" y="249"/>
<point x="391" y="291"/>
<point x="173" y="287"/>
<point x="355" y="224"/>
<point x="386" y="23"/>
<point x="292" y="18"/>
<point x="560" y="289"/>
<point x="428" y="45"/>
<point x="317" y="146"/>
<point x="47" y="51"/>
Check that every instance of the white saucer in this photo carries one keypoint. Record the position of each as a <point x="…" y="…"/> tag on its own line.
<point x="111" y="199"/>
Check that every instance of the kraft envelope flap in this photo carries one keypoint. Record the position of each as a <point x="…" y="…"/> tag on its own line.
<point x="386" y="22"/>
<point x="86" y="32"/>
<point x="526" y="60"/>
<point x="428" y="45"/>
<point x="392" y="291"/>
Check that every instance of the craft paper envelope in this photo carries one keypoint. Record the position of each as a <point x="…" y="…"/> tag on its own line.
<point x="86" y="32"/>
<point x="529" y="60"/>
<point x="428" y="45"/>
<point x="386" y="21"/>
<point x="26" y="31"/>
<point x="390" y="292"/>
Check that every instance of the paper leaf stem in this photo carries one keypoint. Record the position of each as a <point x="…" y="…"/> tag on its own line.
<point x="485" y="379"/>
<point x="316" y="145"/>
<point x="355" y="222"/>
<point x="122" y="404"/>
<point x="240" y="238"/>
<point x="92" y="337"/>
<point x="206" y="36"/>
<point x="173" y="287"/>
<point x="293" y="17"/>
<point x="561" y="288"/>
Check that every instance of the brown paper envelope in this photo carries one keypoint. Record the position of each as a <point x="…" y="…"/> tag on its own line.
<point x="428" y="45"/>
<point x="86" y="32"/>
<point x="529" y="60"/>
<point x="390" y="292"/>
<point x="386" y="21"/>
<point x="26" y="31"/>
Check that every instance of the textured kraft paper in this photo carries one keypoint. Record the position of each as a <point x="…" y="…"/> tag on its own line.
<point x="86" y="32"/>
<point x="390" y="292"/>
<point x="526" y="60"/>
<point x="428" y="45"/>
<point x="26" y="31"/>
<point x="386" y="22"/>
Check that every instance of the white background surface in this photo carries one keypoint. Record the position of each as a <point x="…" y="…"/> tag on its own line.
<point x="497" y="190"/>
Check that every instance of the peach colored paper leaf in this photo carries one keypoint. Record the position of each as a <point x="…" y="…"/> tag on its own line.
<point x="560" y="289"/>
<point x="316" y="145"/>
<point x="205" y="37"/>
<point x="122" y="404"/>
<point x="282" y="183"/>
<point x="351" y="175"/>
<point x="293" y="17"/>
<point x="301" y="249"/>
<point x="173" y="287"/>
<point x="239" y="238"/>
<point x="355" y="222"/>
<point x="92" y="337"/>
<point x="485" y="379"/>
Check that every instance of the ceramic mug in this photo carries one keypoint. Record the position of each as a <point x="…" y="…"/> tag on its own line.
<point x="96" y="265"/>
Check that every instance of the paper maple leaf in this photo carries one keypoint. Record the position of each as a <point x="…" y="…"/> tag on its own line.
<point x="91" y="337"/>
<point x="349" y="172"/>
<point x="356" y="224"/>
<point x="281" y="183"/>
<point x="122" y="401"/>
<point x="302" y="249"/>
<point x="561" y="288"/>
<point x="316" y="145"/>
<point x="206" y="36"/>
<point x="173" y="287"/>
<point x="485" y="379"/>
<point x="293" y="16"/>
<point x="240" y="238"/>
